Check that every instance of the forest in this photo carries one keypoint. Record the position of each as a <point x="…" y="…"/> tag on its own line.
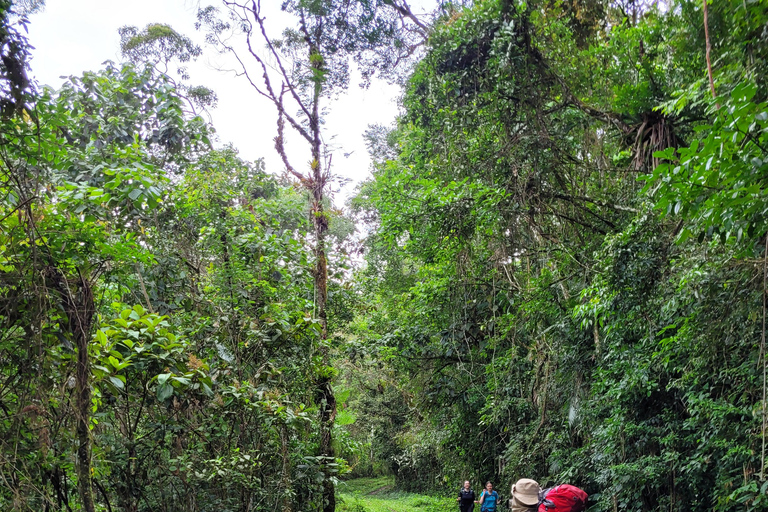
<point x="556" y="267"/>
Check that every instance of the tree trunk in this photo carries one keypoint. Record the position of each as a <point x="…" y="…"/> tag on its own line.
<point x="324" y="389"/>
<point x="285" y="478"/>
<point x="79" y="308"/>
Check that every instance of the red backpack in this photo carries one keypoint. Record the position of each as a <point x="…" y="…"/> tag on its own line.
<point x="563" y="498"/>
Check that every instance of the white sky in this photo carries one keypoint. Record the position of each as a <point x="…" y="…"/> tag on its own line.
<point x="72" y="36"/>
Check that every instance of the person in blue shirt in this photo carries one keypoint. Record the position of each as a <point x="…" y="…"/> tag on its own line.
<point x="488" y="499"/>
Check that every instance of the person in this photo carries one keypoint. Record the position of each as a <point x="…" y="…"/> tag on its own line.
<point x="466" y="498"/>
<point x="488" y="499"/>
<point x="525" y="495"/>
<point x="528" y="496"/>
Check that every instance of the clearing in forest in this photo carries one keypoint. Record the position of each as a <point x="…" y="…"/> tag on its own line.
<point x="379" y="495"/>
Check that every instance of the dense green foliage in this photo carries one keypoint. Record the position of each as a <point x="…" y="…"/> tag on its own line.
<point x="567" y="257"/>
<point x="196" y="267"/>
<point x="563" y="276"/>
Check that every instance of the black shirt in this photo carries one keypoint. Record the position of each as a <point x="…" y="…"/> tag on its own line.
<point x="466" y="496"/>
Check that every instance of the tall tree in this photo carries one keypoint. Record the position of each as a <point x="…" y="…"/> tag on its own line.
<point x="163" y="48"/>
<point x="299" y="71"/>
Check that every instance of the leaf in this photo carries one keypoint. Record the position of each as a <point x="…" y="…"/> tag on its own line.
<point x="101" y="369"/>
<point x="345" y="417"/>
<point x="164" y="391"/>
<point x="101" y="337"/>
<point x="117" y="382"/>
<point x="184" y="381"/>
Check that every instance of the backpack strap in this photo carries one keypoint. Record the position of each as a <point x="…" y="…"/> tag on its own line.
<point x="543" y="498"/>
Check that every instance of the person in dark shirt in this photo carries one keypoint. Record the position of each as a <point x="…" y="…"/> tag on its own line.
<point x="466" y="498"/>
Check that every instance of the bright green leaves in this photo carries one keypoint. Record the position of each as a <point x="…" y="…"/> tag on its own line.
<point x="133" y="191"/>
<point x="122" y="106"/>
<point x="115" y="186"/>
<point x="718" y="183"/>
<point x="423" y="213"/>
<point x="515" y="161"/>
<point x="139" y="345"/>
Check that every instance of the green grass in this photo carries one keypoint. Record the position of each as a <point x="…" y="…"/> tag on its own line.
<point x="379" y="495"/>
<point x="376" y="485"/>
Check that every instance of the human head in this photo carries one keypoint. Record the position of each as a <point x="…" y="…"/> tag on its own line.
<point x="489" y="486"/>
<point x="466" y="484"/>
<point x="526" y="492"/>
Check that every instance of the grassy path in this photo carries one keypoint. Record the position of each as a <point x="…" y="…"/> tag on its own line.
<point x="379" y="495"/>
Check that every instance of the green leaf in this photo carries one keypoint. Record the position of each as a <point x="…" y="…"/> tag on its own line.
<point x="345" y="417"/>
<point x="184" y="381"/>
<point x="101" y="369"/>
<point x="101" y="337"/>
<point x="164" y="391"/>
<point x="117" y="381"/>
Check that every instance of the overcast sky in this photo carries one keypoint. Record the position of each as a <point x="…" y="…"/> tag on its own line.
<point x="72" y="36"/>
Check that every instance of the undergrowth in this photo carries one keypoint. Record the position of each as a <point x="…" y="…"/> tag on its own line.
<point x="379" y="495"/>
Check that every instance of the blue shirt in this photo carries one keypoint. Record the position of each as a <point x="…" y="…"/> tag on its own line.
<point x="489" y="501"/>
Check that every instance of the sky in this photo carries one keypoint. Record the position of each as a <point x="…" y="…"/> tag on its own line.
<point x="73" y="36"/>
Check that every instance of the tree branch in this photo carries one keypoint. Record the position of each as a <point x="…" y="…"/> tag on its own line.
<point x="256" y="10"/>
<point x="405" y="12"/>
<point x="596" y="202"/>
<point x="280" y="143"/>
<point x="709" y="48"/>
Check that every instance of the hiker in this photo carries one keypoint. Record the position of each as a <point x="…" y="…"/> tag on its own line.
<point x="488" y="499"/>
<point x="527" y="495"/>
<point x="466" y="498"/>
